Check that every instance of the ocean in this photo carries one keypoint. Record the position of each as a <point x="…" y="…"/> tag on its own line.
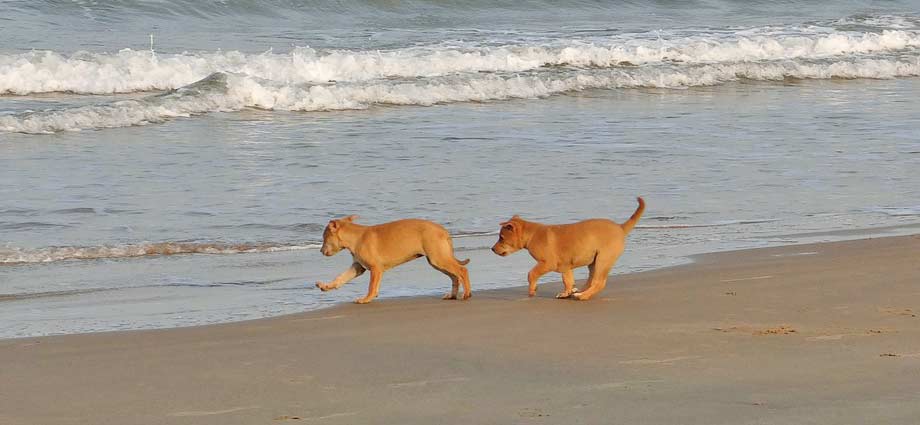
<point x="172" y="163"/>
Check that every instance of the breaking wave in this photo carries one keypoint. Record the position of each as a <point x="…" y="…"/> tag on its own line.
<point x="132" y="71"/>
<point x="222" y="92"/>
<point x="305" y="79"/>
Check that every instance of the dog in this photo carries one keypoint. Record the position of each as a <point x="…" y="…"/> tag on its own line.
<point x="384" y="246"/>
<point x="596" y="243"/>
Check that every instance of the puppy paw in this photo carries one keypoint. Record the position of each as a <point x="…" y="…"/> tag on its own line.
<point x="531" y="293"/>
<point x="324" y="286"/>
<point x="565" y="294"/>
<point x="581" y="296"/>
<point x="364" y="300"/>
<point x="467" y="295"/>
<point x="449" y="297"/>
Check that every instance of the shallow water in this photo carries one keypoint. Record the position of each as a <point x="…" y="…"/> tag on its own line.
<point x="197" y="192"/>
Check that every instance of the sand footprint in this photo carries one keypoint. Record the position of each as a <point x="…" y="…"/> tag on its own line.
<point x="897" y="311"/>
<point x="313" y="418"/>
<point x="837" y="337"/>
<point x="662" y="361"/>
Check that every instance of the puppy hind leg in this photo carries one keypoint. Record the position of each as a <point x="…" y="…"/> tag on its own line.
<point x="454" y="286"/>
<point x="441" y="257"/>
<point x="465" y="279"/>
<point x="438" y="262"/>
<point x="597" y="278"/>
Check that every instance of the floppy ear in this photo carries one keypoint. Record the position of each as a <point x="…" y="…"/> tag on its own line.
<point x="350" y="218"/>
<point x="333" y="225"/>
<point x="515" y="217"/>
<point x="508" y="225"/>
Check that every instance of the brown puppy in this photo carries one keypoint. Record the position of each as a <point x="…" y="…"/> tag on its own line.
<point x="384" y="246"/>
<point x="596" y="243"/>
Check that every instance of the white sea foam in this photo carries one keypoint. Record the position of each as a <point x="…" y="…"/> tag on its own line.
<point x="232" y="92"/>
<point x="12" y="255"/>
<point x="132" y="71"/>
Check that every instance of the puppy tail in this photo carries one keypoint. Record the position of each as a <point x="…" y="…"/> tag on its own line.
<point x="629" y="224"/>
<point x="464" y="262"/>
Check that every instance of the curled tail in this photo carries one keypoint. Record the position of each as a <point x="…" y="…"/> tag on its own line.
<point x="464" y="262"/>
<point x="629" y="224"/>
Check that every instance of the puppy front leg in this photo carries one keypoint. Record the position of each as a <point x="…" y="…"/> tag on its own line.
<point x="539" y="270"/>
<point x="354" y="271"/>
<point x="373" y="288"/>
<point x="568" y="279"/>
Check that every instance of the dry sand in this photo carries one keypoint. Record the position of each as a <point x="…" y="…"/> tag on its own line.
<point x="816" y="334"/>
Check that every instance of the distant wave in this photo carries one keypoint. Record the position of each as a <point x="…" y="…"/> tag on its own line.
<point x="48" y="294"/>
<point x="10" y="256"/>
<point x="698" y="225"/>
<point x="905" y="211"/>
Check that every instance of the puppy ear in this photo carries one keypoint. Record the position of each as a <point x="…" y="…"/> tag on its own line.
<point x="350" y="218"/>
<point x="508" y="226"/>
<point x="333" y="225"/>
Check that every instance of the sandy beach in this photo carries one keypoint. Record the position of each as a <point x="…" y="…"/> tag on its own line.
<point x="821" y="333"/>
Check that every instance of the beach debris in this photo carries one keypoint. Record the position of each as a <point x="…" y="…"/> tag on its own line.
<point x="778" y="330"/>
<point x="781" y="330"/>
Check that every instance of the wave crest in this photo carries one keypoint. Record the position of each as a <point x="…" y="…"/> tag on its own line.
<point x="136" y="71"/>
<point x="310" y="80"/>
<point x="223" y="92"/>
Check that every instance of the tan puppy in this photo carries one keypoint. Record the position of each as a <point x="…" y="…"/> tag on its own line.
<point x="596" y="243"/>
<point x="384" y="246"/>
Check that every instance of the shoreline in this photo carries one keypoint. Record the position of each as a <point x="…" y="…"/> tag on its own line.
<point x="816" y="332"/>
<point x="857" y="234"/>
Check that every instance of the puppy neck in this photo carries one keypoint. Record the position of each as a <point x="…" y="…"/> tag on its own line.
<point x="350" y="233"/>
<point x="527" y="231"/>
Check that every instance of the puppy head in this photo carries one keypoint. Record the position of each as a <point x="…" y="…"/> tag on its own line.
<point x="332" y="242"/>
<point x="510" y="237"/>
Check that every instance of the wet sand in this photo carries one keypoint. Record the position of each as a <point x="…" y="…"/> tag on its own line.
<point x="821" y="333"/>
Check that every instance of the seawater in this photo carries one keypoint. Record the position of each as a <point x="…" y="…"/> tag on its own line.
<point x="173" y="163"/>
